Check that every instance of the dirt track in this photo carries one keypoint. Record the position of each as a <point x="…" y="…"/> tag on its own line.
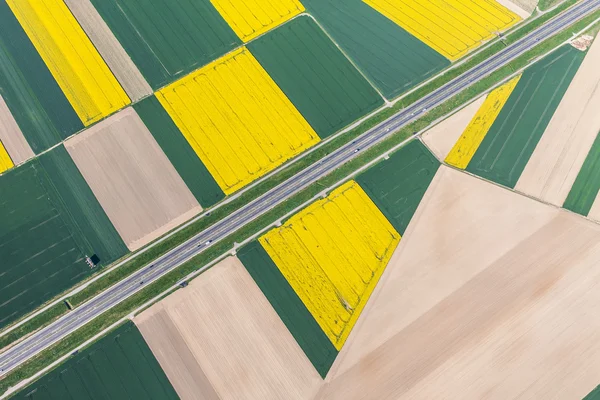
<point x="489" y="295"/>
<point x="561" y="152"/>
<point x="441" y="138"/>
<point x="220" y="338"/>
<point x="131" y="177"/>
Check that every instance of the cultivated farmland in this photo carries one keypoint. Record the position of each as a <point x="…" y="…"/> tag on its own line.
<point x="118" y="366"/>
<point x="220" y="339"/>
<point x="80" y="71"/>
<point x="132" y="178"/>
<point x="488" y="286"/>
<point x="50" y="222"/>
<point x="390" y="57"/>
<point x="11" y="136"/>
<point x="236" y="119"/>
<point x="452" y="28"/>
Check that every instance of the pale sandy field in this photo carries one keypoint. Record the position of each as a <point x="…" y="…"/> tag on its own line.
<point x="561" y="152"/>
<point x="595" y="211"/>
<point x="523" y="8"/>
<point x="489" y="295"/>
<point x="441" y="138"/>
<point x="110" y="49"/>
<point x="137" y="186"/>
<point x="11" y="136"/>
<point x="219" y="338"/>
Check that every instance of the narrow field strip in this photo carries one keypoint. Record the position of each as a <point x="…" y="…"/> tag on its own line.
<point x="466" y="146"/>
<point x="12" y="137"/>
<point x="583" y="195"/>
<point x="451" y="27"/>
<point x="332" y="254"/>
<point x="252" y="18"/>
<point x="5" y="161"/>
<point x="236" y="119"/>
<point x="80" y="71"/>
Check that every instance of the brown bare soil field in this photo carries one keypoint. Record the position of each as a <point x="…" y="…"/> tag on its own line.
<point x="137" y="186"/>
<point x="219" y="338"/>
<point x="489" y="295"/>
<point x="110" y="49"/>
<point x="441" y="138"/>
<point x="11" y="136"/>
<point x="595" y="211"/>
<point x="523" y="8"/>
<point x="561" y="152"/>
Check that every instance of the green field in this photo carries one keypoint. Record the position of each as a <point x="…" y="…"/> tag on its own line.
<point x="393" y="59"/>
<point x="315" y="75"/>
<point x="398" y="184"/>
<point x="118" y="366"/>
<point x="34" y="98"/>
<point x="510" y="142"/>
<point x="179" y="152"/>
<point x="294" y="314"/>
<point x="50" y="221"/>
<point x="585" y="189"/>
<point x="168" y="39"/>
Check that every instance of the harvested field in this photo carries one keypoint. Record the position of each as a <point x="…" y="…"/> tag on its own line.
<point x="595" y="210"/>
<point x="252" y="18"/>
<point x="562" y="150"/>
<point x="463" y="151"/>
<point x="519" y="7"/>
<point x="332" y="253"/>
<point x="514" y="135"/>
<point x="132" y="178"/>
<point x="33" y="97"/>
<point x="501" y="294"/>
<point x="110" y="49"/>
<point x="452" y="28"/>
<point x="50" y="221"/>
<point x="237" y="120"/>
<point x="441" y="138"/>
<point x="224" y="341"/>
<point x="118" y="366"/>
<point x="398" y="184"/>
<point x="80" y="71"/>
<point x="392" y="59"/>
<point x="11" y="136"/>
<point x="584" y="192"/>
<point x="191" y="169"/>
<point x="168" y="39"/>
<point x="315" y="75"/>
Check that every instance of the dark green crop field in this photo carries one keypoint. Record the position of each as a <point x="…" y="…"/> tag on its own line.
<point x="187" y="163"/>
<point x="390" y="57"/>
<point x="294" y="314"/>
<point x="34" y="98"/>
<point x="167" y="39"/>
<point x="398" y="185"/>
<point x="510" y="142"/>
<point x="585" y="189"/>
<point x="118" y="366"/>
<point x="315" y="75"/>
<point x="50" y="221"/>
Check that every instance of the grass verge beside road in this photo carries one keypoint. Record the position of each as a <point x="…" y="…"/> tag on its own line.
<point x="48" y="356"/>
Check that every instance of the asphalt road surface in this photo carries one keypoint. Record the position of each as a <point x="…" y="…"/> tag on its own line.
<point x="75" y="319"/>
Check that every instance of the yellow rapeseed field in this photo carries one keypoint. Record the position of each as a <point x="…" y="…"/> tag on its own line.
<point x="80" y="71"/>
<point x="451" y="27"/>
<point x="332" y="253"/>
<point x="237" y="120"/>
<point x="5" y="161"/>
<point x="251" y="18"/>
<point x="466" y="146"/>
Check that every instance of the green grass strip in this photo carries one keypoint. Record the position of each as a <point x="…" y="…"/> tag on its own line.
<point x="587" y="185"/>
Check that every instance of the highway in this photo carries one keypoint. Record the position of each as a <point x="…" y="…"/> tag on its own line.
<point x="90" y="310"/>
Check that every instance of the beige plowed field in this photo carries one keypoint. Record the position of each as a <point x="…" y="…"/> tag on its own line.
<point x="523" y="8"/>
<point x="489" y="295"/>
<point x="11" y="136"/>
<point x="561" y="152"/>
<point x="595" y="211"/>
<point x="441" y="138"/>
<point x="219" y="338"/>
<point x="131" y="177"/>
<point x="110" y="49"/>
